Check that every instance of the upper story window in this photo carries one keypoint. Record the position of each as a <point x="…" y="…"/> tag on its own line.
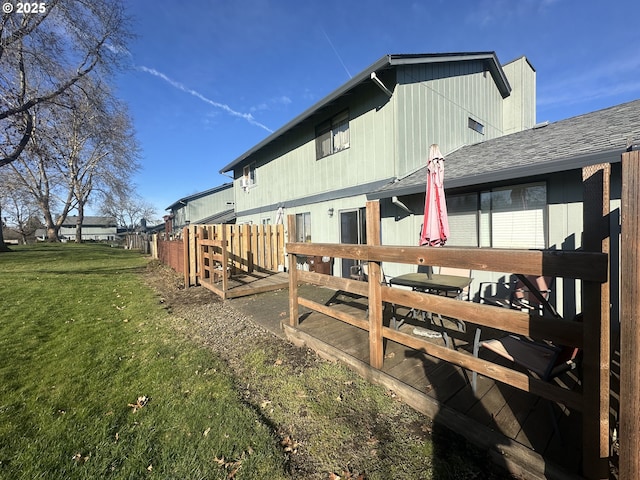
<point x="248" y="176"/>
<point x="333" y="135"/>
<point x="475" y="125"/>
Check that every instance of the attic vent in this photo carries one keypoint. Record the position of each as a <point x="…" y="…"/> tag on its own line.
<point x="540" y="125"/>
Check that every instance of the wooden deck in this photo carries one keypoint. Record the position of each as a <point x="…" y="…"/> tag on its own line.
<point x="243" y="284"/>
<point x="513" y="425"/>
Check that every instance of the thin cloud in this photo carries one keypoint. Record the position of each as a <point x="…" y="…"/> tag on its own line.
<point x="609" y="79"/>
<point x="246" y="116"/>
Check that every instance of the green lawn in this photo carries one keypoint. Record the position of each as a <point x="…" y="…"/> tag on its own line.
<point x="81" y="341"/>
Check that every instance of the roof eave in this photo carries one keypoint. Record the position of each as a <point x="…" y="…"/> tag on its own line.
<point x="386" y="61"/>
<point x="561" y="165"/>
<point x="362" y="76"/>
<point x="204" y="193"/>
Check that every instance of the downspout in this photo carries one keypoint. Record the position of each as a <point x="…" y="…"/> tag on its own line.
<point x="400" y="205"/>
<point x="379" y="83"/>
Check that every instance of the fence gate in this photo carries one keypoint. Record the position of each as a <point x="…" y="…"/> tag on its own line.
<point x="235" y="260"/>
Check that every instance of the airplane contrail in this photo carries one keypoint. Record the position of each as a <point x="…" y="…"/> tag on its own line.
<point x="336" y="52"/>
<point x="247" y="116"/>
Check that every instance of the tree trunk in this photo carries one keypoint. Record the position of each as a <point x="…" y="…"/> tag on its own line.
<point x="79" y="223"/>
<point x="3" y="247"/>
<point x="52" y="234"/>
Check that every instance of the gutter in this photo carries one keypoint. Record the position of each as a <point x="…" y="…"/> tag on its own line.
<point x="562" y="165"/>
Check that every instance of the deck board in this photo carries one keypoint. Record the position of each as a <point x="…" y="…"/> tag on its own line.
<point x="518" y="415"/>
<point x="245" y="284"/>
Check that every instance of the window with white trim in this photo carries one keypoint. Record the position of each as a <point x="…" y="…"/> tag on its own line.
<point x="332" y="136"/>
<point x="303" y="227"/>
<point x="248" y="175"/>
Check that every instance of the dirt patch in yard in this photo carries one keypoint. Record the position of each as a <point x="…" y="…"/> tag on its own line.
<point x="330" y="423"/>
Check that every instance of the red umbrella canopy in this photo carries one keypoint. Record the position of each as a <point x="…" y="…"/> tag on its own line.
<point x="435" y="228"/>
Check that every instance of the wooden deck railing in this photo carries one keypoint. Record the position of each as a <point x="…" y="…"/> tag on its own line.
<point x="592" y="267"/>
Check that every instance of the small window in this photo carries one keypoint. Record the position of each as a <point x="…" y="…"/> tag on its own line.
<point x="332" y="136"/>
<point x="303" y="227"/>
<point x="476" y="126"/>
<point x="248" y="175"/>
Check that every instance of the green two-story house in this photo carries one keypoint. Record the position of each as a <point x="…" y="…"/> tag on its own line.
<point x="374" y="130"/>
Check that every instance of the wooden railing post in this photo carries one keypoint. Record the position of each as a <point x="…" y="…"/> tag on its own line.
<point x="629" y="468"/>
<point x="595" y="307"/>
<point x="293" y="274"/>
<point x="193" y="255"/>
<point x="376" y="350"/>
<point x="225" y="262"/>
<point x="185" y="254"/>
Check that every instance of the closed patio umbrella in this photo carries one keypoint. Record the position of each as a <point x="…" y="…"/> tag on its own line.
<point x="435" y="227"/>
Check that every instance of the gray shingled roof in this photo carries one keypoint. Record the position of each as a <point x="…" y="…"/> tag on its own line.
<point x="197" y="195"/>
<point x="89" y="221"/>
<point x="220" y="217"/>
<point x="588" y="139"/>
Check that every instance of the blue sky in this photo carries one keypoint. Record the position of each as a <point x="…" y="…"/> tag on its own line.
<point x="208" y="79"/>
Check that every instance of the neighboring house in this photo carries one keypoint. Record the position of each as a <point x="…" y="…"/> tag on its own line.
<point x="373" y="130"/>
<point x="215" y="205"/>
<point x="93" y="228"/>
<point x="523" y="190"/>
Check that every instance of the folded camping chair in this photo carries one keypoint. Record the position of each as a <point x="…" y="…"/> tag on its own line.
<point x="526" y="293"/>
<point x="542" y="359"/>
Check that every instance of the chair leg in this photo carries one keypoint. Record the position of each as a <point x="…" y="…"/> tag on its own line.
<point x="476" y="350"/>
<point x="445" y="336"/>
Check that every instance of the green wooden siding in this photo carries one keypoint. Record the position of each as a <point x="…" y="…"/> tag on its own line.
<point x="435" y="102"/>
<point x="292" y="171"/>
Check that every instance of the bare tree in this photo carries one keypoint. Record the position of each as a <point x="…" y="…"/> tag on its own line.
<point x="81" y="145"/>
<point x="93" y="139"/>
<point x="39" y="172"/>
<point x="128" y="209"/>
<point x="20" y="211"/>
<point x="44" y="54"/>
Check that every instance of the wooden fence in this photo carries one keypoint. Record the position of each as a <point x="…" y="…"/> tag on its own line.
<point x="591" y="265"/>
<point x="170" y="252"/>
<point x="217" y="253"/>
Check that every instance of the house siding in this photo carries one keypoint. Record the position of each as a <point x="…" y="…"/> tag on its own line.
<point x="520" y="106"/>
<point x="435" y="102"/>
<point x="90" y="232"/>
<point x="291" y="171"/>
<point x="201" y="206"/>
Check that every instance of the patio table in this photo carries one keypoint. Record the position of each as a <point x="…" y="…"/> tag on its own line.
<point x="430" y="283"/>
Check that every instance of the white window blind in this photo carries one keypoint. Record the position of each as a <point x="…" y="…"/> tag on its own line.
<point x="517" y="216"/>
<point x="463" y="220"/>
<point x="518" y="229"/>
